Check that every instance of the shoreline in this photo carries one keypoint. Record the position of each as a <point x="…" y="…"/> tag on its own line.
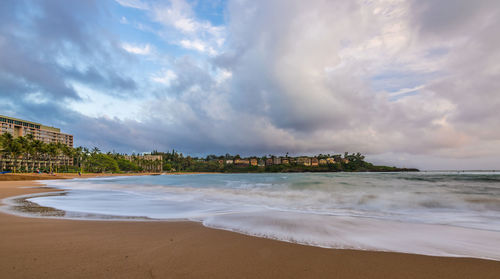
<point x="45" y="176"/>
<point x="48" y="248"/>
<point x="20" y="206"/>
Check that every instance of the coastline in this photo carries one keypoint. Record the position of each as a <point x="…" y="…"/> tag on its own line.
<point x="44" y="176"/>
<point x="53" y="248"/>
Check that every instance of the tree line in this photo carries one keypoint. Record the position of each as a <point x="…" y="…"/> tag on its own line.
<point x="27" y="154"/>
<point x="350" y="162"/>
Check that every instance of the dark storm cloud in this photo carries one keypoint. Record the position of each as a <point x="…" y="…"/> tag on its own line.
<point x="27" y="73"/>
<point x="451" y="17"/>
<point x="42" y="42"/>
<point x="95" y="78"/>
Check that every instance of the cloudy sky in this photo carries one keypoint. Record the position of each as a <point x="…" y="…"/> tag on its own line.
<point x="411" y="83"/>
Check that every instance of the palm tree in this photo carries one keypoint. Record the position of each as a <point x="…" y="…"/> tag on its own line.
<point x="30" y="150"/>
<point x="38" y="149"/>
<point x="52" y="151"/>
<point x="93" y="159"/>
<point x="25" y="150"/>
<point x="85" y="157"/>
<point x="5" y="141"/>
<point x="13" y="148"/>
<point x="2" y="149"/>
<point x="78" y="154"/>
<point x="59" y="151"/>
<point x="68" y="152"/>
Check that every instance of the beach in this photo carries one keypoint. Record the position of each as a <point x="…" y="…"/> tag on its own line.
<point x="57" y="248"/>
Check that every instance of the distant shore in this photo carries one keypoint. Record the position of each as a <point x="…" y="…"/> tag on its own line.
<point x="45" y="176"/>
<point x="54" y="248"/>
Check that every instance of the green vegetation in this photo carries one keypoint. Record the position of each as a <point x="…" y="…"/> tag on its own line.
<point x="26" y="154"/>
<point x="176" y="162"/>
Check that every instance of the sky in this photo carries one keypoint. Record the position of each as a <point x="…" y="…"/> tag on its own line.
<point x="412" y="83"/>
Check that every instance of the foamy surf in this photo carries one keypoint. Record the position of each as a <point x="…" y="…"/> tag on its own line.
<point x="440" y="214"/>
<point x="359" y="233"/>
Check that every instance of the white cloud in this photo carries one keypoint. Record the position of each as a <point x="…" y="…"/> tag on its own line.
<point x="181" y="26"/>
<point x="165" y="77"/>
<point x="198" y="46"/>
<point x="403" y="91"/>
<point x="187" y="30"/>
<point x="177" y="13"/>
<point x="137" y="49"/>
<point x="136" y="4"/>
<point x="223" y="76"/>
<point x="185" y="25"/>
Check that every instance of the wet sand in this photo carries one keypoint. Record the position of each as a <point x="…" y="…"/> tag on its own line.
<point x="52" y="248"/>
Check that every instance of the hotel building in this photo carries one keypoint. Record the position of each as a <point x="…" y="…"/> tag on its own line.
<point x="46" y="134"/>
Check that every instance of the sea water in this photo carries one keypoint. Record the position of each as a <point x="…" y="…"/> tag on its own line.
<point x="431" y="213"/>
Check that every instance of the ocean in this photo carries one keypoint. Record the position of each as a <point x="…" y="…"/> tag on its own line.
<point x="431" y="213"/>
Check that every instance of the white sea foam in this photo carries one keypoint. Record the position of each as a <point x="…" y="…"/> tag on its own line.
<point x="444" y="214"/>
<point x="363" y="233"/>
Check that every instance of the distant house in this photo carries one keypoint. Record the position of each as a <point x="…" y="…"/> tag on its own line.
<point x="306" y="161"/>
<point x="269" y="161"/>
<point x="330" y="160"/>
<point x="322" y="161"/>
<point x="285" y="161"/>
<point x="229" y="162"/>
<point x="276" y="161"/>
<point x="314" y="162"/>
<point x="253" y="162"/>
<point x="261" y="163"/>
<point x="242" y="162"/>
<point x="345" y="161"/>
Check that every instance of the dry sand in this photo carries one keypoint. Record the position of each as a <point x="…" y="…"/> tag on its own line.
<point x="52" y="248"/>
